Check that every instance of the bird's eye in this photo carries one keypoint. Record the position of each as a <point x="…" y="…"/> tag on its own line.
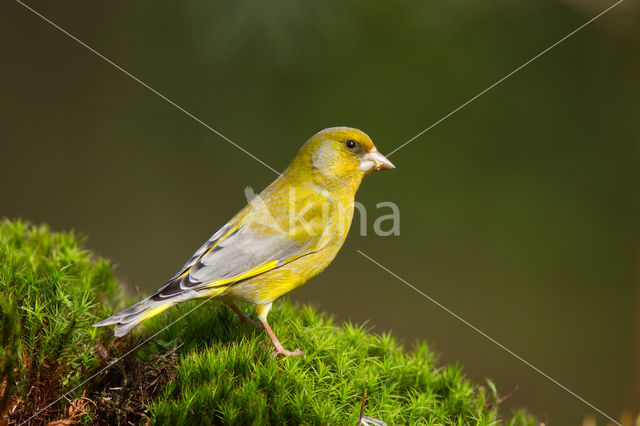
<point x="350" y="145"/>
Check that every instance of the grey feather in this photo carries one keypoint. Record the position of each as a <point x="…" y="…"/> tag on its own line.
<point x="223" y="257"/>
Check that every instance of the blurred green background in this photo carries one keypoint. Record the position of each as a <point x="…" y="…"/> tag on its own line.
<point x="519" y="213"/>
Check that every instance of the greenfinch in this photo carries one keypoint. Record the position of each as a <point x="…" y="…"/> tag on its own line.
<point x="286" y="235"/>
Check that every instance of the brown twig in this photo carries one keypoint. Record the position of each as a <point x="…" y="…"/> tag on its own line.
<point x="364" y="402"/>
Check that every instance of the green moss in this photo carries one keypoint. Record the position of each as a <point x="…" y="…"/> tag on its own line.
<point x="11" y="367"/>
<point x="206" y="368"/>
<point x="51" y="290"/>
<point x="226" y="374"/>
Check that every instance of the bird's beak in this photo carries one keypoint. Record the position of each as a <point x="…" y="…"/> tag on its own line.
<point x="373" y="161"/>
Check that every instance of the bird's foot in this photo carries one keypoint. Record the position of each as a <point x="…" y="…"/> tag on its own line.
<point x="277" y="346"/>
<point x="282" y="351"/>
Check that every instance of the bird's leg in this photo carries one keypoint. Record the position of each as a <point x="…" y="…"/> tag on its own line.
<point x="245" y="318"/>
<point x="263" y="310"/>
<point x="278" y="349"/>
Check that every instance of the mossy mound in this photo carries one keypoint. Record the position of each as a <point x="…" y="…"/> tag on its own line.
<point x="51" y="291"/>
<point x="226" y="374"/>
<point x="203" y="367"/>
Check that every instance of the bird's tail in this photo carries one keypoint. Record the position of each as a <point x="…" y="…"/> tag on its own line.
<point x="152" y="306"/>
<point x="135" y="314"/>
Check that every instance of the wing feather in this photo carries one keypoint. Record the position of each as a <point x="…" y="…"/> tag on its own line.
<point x="236" y="253"/>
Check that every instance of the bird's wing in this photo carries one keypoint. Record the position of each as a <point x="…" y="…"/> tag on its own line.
<point x="234" y="253"/>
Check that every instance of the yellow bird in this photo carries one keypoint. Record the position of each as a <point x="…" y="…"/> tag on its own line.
<point x="286" y="235"/>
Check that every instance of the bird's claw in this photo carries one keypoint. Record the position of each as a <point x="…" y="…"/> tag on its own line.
<point x="282" y="351"/>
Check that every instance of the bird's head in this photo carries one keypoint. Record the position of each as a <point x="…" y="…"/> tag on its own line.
<point x="340" y="156"/>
